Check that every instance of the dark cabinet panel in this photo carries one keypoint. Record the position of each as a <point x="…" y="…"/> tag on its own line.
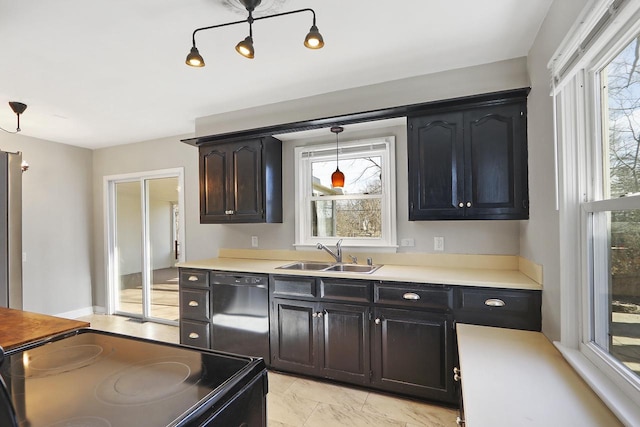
<point x="344" y="342"/>
<point x="469" y="162"/>
<point x="241" y="181"/>
<point x="413" y="353"/>
<point x="436" y="151"/>
<point x="506" y="308"/>
<point x="310" y="335"/>
<point x="293" y="336"/>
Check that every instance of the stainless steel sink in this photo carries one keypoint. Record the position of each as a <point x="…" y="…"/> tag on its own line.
<point x="306" y="265"/>
<point x="330" y="267"/>
<point x="354" y="268"/>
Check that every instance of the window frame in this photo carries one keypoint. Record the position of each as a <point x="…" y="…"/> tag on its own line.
<point x="302" y="172"/>
<point x="582" y="198"/>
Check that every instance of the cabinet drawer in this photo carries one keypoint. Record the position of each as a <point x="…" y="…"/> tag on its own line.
<point x="508" y="308"/>
<point x="414" y="295"/>
<point x="292" y="286"/>
<point x="344" y="290"/>
<point x="196" y="334"/>
<point x="194" y="304"/>
<point x="194" y="278"/>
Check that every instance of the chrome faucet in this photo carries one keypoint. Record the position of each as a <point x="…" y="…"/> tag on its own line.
<point x="337" y="255"/>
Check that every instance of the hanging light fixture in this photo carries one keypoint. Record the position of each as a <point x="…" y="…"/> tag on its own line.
<point x="337" y="178"/>
<point x="313" y="40"/>
<point x="18" y="108"/>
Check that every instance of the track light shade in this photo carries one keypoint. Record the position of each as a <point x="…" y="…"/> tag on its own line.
<point x="314" y="39"/>
<point x="194" y="59"/>
<point x="17" y="107"/>
<point x="245" y="47"/>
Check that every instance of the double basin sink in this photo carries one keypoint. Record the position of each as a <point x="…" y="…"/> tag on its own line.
<point x="330" y="267"/>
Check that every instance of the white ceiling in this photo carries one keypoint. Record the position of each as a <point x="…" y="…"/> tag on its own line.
<point x="107" y="72"/>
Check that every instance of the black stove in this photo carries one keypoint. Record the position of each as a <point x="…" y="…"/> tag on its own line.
<point x="93" y="378"/>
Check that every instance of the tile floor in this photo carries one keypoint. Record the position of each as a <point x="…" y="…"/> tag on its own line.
<point x="300" y="402"/>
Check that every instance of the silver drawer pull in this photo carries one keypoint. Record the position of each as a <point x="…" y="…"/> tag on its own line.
<point x="193" y="278"/>
<point x="411" y="296"/>
<point x="193" y="303"/>
<point x="194" y="335"/>
<point x="494" y="302"/>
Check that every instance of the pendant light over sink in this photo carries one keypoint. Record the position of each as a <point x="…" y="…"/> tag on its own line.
<point x="313" y="40"/>
<point x="337" y="178"/>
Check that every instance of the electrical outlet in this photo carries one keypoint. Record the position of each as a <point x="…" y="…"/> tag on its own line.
<point x="407" y="242"/>
<point x="438" y="244"/>
<point x="254" y="241"/>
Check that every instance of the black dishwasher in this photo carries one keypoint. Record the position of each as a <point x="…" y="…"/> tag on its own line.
<point x="240" y="314"/>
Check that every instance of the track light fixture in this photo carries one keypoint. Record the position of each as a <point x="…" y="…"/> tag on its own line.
<point x="313" y="40"/>
<point x="18" y="108"/>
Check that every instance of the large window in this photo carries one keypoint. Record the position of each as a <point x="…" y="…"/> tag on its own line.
<point x="597" y="87"/>
<point x="614" y="213"/>
<point x="362" y="212"/>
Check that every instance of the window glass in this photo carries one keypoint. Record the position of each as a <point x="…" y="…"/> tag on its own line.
<point x="361" y="218"/>
<point x="619" y="299"/>
<point x="362" y="175"/>
<point x="621" y="124"/>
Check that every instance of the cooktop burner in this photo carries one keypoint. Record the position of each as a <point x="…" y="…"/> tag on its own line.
<point x="147" y="382"/>
<point x="64" y="359"/>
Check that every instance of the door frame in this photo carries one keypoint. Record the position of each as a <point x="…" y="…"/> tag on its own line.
<point x="109" y="211"/>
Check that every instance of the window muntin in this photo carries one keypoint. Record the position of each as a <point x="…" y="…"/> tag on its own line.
<point x="363" y="211"/>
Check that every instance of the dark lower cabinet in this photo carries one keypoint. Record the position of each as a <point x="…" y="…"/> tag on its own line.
<point x="413" y="353"/>
<point x="321" y="339"/>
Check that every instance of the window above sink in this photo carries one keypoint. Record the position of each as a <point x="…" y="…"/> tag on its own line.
<point x="363" y="212"/>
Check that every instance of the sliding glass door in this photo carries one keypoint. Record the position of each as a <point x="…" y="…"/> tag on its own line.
<point x="145" y="242"/>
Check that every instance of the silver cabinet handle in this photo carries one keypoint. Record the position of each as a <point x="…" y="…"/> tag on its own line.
<point x="229" y="212"/>
<point x="461" y="205"/>
<point x="494" y="302"/>
<point x="456" y="377"/>
<point x="377" y="321"/>
<point x="193" y="278"/>
<point x="193" y="303"/>
<point x="320" y="314"/>
<point x="412" y="296"/>
<point x="194" y="335"/>
<point x="314" y="314"/>
<point x="459" y="421"/>
<point x="468" y="204"/>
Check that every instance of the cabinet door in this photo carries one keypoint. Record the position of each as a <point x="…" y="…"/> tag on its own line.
<point x="496" y="162"/>
<point x="413" y="353"/>
<point x="344" y="342"/>
<point x="293" y="336"/>
<point x="246" y="195"/>
<point x="214" y="185"/>
<point x="436" y="166"/>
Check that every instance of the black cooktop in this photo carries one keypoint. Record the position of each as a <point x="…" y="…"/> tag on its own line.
<point x="94" y="378"/>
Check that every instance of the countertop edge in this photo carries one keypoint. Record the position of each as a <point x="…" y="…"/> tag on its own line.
<point x="490" y="278"/>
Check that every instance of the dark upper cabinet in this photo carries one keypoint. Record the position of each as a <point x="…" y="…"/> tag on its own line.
<point x="469" y="162"/>
<point x="241" y="181"/>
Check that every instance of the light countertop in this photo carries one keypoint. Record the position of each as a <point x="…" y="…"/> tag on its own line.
<point x="517" y="378"/>
<point x="484" y="277"/>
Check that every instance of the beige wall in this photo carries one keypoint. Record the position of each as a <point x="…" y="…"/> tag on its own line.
<point x="57" y="224"/>
<point x="539" y="240"/>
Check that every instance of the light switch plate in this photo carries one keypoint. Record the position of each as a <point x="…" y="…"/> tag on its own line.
<point x="254" y="241"/>
<point x="438" y="244"/>
<point x="407" y="242"/>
